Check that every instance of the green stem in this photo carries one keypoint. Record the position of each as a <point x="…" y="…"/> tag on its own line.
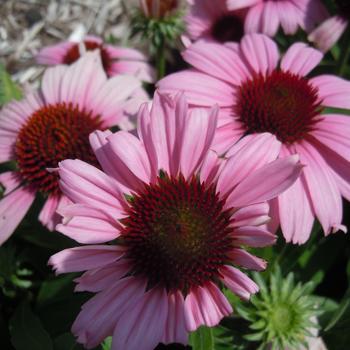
<point x="160" y="59"/>
<point x="345" y="53"/>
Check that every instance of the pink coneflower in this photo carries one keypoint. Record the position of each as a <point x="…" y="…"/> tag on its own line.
<point x="213" y="20"/>
<point x="329" y="32"/>
<point x="115" y="59"/>
<point x="257" y="94"/>
<point x="176" y="217"/>
<point x="266" y="16"/>
<point x="54" y="124"/>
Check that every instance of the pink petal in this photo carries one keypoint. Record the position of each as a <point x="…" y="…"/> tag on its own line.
<point x="252" y="215"/>
<point x="243" y="258"/>
<point x="143" y="323"/>
<point x="109" y="99"/>
<point x="211" y="167"/>
<point x="54" y="54"/>
<point x="290" y="16"/>
<point x="82" y="80"/>
<point x="253" y="236"/>
<point x="51" y="84"/>
<point x="205" y="306"/>
<point x="140" y="70"/>
<point x="102" y="278"/>
<point x="238" y="282"/>
<point x="175" y="327"/>
<point x="238" y="4"/>
<point x="253" y="20"/>
<point x="100" y="314"/>
<point x="332" y="90"/>
<point x="324" y="193"/>
<point x="295" y="213"/>
<point x="85" y="258"/>
<point x="85" y="184"/>
<point x="260" y="53"/>
<point x="98" y="142"/>
<point x="130" y="158"/>
<point x="166" y="130"/>
<point x="197" y="139"/>
<point x="333" y="131"/>
<point x="48" y="216"/>
<point x="266" y="182"/>
<point x="200" y="89"/>
<point x="216" y="60"/>
<point x="227" y="135"/>
<point x="301" y="59"/>
<point x="248" y="155"/>
<point x="10" y="181"/>
<point x="88" y="225"/>
<point x="270" y="18"/>
<point x="144" y="131"/>
<point x="328" y="32"/>
<point x="13" y="208"/>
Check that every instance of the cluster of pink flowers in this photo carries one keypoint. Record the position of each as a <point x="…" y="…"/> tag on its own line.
<point x="225" y="153"/>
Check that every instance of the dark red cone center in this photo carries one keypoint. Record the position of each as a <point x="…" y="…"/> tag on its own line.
<point x="177" y="233"/>
<point x="281" y="103"/>
<point x="52" y="134"/>
<point x="228" y="28"/>
<point x="73" y="54"/>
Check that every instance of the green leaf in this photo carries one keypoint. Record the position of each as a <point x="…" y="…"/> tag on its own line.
<point x="202" y="339"/>
<point x="66" y="341"/>
<point x="342" y="309"/>
<point x="107" y="344"/>
<point x="27" y="332"/>
<point x="8" y="89"/>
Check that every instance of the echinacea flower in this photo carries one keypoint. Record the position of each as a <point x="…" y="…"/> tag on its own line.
<point x="329" y="31"/>
<point x="213" y="20"/>
<point x="258" y="94"/>
<point x="266" y="16"/>
<point x="115" y="59"/>
<point x="176" y="217"/>
<point x="54" y="124"/>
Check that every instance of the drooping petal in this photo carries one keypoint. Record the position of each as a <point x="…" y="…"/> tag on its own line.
<point x="13" y="208"/>
<point x="99" y="316"/>
<point x="328" y="32"/>
<point x="205" y="306"/>
<point x="84" y="258"/>
<point x="87" y="224"/>
<point x="246" y="156"/>
<point x="10" y="181"/>
<point x="200" y="88"/>
<point x="332" y="91"/>
<point x="253" y="236"/>
<point x="102" y="278"/>
<point x="144" y="323"/>
<point x="324" y="193"/>
<point x="48" y="216"/>
<point x="243" y="258"/>
<point x="175" y="328"/>
<point x="239" y="4"/>
<point x="85" y="184"/>
<point x="252" y="215"/>
<point x="266" y="182"/>
<point x="238" y="282"/>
